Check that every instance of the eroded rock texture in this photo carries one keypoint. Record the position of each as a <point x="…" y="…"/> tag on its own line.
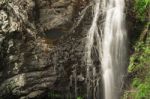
<point x="30" y="62"/>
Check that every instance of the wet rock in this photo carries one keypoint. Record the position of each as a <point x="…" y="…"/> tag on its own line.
<point x="30" y="64"/>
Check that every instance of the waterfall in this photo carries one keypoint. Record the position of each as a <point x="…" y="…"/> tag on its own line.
<point x="111" y="48"/>
<point x="89" y="44"/>
<point x="114" y="48"/>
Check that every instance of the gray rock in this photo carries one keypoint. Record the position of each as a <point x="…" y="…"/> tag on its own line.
<point x="30" y="62"/>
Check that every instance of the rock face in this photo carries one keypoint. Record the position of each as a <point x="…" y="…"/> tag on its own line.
<point x="30" y="62"/>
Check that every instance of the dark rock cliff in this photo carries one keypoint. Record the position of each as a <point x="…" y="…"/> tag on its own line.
<point x="41" y="45"/>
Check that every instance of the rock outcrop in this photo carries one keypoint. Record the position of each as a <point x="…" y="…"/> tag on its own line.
<point x="30" y="62"/>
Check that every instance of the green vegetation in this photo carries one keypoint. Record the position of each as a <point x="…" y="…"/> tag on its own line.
<point x="141" y="7"/>
<point x="139" y="67"/>
<point x="140" y="58"/>
<point x="79" y="97"/>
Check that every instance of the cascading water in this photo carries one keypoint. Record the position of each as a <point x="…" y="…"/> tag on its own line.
<point x="112" y="46"/>
<point x="90" y="41"/>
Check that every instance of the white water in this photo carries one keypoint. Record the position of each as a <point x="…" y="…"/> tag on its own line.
<point x="112" y="47"/>
<point x="89" y="44"/>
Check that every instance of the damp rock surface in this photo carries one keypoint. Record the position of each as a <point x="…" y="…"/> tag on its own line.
<point x="30" y="62"/>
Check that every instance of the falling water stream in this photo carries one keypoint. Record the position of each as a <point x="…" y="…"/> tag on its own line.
<point x="112" y="47"/>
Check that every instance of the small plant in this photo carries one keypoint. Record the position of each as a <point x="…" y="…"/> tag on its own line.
<point x="79" y="97"/>
<point x="136" y="82"/>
